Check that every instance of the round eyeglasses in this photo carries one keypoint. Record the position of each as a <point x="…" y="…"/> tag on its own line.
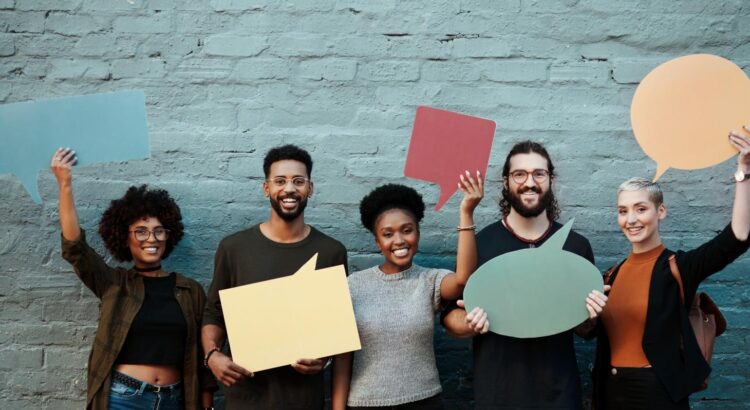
<point x="143" y="234"/>
<point x="521" y="175"/>
<point x="280" y="182"/>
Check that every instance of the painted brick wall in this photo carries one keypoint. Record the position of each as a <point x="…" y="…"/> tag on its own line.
<point x="227" y="79"/>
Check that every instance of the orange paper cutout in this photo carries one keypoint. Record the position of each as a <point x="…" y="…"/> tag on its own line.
<point x="684" y="109"/>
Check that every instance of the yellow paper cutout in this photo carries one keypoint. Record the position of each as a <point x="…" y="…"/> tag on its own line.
<point x="306" y="315"/>
<point x="684" y="109"/>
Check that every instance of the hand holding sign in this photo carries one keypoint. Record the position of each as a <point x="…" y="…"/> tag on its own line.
<point x="683" y="109"/>
<point x="444" y="145"/>
<point x="102" y="127"/>
<point x="534" y="292"/>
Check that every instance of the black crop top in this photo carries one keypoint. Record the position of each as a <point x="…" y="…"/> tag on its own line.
<point x="159" y="331"/>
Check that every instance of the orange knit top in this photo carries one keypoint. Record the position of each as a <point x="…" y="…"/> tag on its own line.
<point x="624" y="317"/>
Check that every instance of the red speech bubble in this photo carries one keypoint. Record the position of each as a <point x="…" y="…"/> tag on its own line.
<point x="444" y="144"/>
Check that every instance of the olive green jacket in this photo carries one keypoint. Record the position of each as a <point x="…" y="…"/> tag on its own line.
<point x="121" y="292"/>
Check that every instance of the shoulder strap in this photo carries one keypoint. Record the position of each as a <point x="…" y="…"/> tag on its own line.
<point x="676" y="275"/>
<point x="608" y="274"/>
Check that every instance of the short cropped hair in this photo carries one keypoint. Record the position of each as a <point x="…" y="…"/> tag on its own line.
<point x="387" y="197"/>
<point x="655" y="194"/>
<point x="137" y="203"/>
<point x="288" y="151"/>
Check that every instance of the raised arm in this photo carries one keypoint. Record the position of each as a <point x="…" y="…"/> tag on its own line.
<point x="452" y="285"/>
<point x="741" y="207"/>
<point x="62" y="161"/>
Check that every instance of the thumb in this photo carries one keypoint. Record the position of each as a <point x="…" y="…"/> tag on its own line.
<point x="460" y="303"/>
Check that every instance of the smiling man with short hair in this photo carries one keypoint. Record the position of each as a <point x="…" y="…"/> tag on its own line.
<point x="275" y="248"/>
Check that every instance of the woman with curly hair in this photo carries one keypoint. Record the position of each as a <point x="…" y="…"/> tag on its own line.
<point x="146" y="352"/>
<point x="395" y="304"/>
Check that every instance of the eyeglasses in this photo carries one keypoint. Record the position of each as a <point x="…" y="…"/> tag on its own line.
<point x="280" y="182"/>
<point x="521" y="175"/>
<point x="142" y="234"/>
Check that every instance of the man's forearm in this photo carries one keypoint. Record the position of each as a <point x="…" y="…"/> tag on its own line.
<point x="212" y="337"/>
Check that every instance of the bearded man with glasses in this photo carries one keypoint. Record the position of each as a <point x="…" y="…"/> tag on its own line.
<point x="275" y="248"/>
<point x="513" y="373"/>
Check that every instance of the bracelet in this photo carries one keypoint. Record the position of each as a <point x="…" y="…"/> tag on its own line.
<point x="467" y="228"/>
<point x="208" y="355"/>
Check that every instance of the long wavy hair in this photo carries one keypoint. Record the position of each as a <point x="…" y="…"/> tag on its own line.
<point x="528" y="147"/>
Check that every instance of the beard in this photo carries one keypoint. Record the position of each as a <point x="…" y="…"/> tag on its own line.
<point x="289" y="215"/>
<point x="545" y="199"/>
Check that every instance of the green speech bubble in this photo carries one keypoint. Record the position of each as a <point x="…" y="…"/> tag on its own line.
<point x="534" y="292"/>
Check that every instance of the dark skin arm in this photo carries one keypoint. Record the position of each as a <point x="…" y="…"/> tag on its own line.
<point x="224" y="369"/>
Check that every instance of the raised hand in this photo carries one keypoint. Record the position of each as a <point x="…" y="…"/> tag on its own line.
<point x="473" y="190"/>
<point x="62" y="160"/>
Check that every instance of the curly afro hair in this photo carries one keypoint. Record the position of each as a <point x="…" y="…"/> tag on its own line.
<point x="387" y="197"/>
<point x="137" y="203"/>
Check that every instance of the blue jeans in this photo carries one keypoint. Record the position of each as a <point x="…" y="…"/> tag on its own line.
<point x="123" y="397"/>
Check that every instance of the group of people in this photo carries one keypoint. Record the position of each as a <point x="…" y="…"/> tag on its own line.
<point x="161" y="341"/>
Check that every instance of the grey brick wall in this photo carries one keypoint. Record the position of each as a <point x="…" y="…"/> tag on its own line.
<point x="227" y="79"/>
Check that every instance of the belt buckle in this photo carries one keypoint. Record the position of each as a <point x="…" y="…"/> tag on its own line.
<point x="157" y="389"/>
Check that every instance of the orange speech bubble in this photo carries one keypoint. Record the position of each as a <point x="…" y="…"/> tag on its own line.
<point x="444" y="144"/>
<point x="683" y="110"/>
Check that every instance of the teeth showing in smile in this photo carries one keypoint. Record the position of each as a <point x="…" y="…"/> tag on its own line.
<point x="401" y="252"/>
<point x="151" y="249"/>
<point x="634" y="231"/>
<point x="289" y="202"/>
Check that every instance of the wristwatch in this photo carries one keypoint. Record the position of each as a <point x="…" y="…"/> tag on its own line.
<point x="740" y="176"/>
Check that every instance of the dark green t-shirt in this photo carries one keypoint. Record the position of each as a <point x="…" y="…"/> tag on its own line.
<point x="248" y="257"/>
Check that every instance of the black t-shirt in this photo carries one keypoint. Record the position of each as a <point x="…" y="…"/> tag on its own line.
<point x="536" y="373"/>
<point x="159" y="330"/>
<point x="249" y="257"/>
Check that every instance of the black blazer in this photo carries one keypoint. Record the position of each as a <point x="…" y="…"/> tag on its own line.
<point x="674" y="355"/>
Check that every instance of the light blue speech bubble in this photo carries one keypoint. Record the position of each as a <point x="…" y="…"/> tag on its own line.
<point x="105" y="127"/>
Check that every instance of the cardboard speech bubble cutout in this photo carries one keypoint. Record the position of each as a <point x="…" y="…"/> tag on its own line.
<point x="99" y="127"/>
<point x="444" y="144"/>
<point x="306" y="315"/>
<point x="534" y="292"/>
<point x="683" y="110"/>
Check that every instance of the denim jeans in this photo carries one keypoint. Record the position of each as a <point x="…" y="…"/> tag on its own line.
<point x="123" y="397"/>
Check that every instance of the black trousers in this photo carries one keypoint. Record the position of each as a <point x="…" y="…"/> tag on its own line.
<point x="631" y="388"/>
<point x="431" y="403"/>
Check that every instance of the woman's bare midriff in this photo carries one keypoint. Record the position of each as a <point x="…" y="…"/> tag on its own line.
<point x="159" y="375"/>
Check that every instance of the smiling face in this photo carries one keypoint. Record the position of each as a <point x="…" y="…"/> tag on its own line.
<point x="288" y="201"/>
<point x="148" y="253"/>
<point x="639" y="217"/>
<point x="531" y="197"/>
<point x="397" y="236"/>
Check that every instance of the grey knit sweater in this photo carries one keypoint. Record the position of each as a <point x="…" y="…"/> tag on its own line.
<point x="396" y="319"/>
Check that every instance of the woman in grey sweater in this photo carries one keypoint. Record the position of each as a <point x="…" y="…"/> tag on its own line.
<point x="395" y="304"/>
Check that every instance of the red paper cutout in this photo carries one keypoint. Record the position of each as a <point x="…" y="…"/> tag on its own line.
<point x="445" y="144"/>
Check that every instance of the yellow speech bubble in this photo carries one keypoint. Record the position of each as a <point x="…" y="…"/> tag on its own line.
<point x="684" y="109"/>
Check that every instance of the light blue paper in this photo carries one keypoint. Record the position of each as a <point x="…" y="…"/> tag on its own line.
<point x="106" y="127"/>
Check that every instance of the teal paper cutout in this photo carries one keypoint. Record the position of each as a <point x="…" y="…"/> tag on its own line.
<point x="534" y="292"/>
<point x="100" y="128"/>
